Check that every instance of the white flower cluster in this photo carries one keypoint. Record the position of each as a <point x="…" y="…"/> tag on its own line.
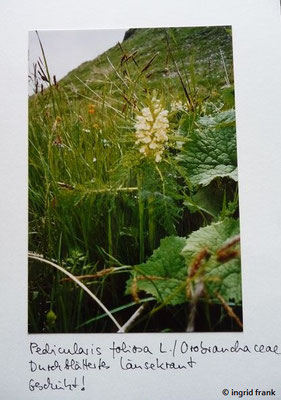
<point x="177" y="105"/>
<point x="151" y="130"/>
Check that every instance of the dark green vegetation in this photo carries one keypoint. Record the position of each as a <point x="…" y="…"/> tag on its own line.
<point x="133" y="188"/>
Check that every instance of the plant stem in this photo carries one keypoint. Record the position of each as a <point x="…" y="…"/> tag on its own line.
<point x="109" y="232"/>
<point x="141" y="220"/>
<point x="151" y="223"/>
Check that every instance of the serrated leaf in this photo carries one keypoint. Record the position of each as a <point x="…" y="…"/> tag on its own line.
<point x="164" y="272"/>
<point x="224" y="117"/>
<point x="221" y="277"/>
<point x="212" y="150"/>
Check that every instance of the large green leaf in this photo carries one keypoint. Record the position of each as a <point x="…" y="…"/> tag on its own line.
<point x="221" y="277"/>
<point x="219" y="119"/>
<point x="208" y="199"/>
<point x="211" y="153"/>
<point x="165" y="273"/>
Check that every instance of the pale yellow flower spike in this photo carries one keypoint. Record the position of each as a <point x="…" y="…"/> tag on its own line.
<point x="151" y="130"/>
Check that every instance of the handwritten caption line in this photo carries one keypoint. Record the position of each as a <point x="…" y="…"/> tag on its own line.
<point x="57" y="363"/>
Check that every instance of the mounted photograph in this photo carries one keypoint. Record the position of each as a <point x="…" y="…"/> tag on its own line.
<point x="133" y="197"/>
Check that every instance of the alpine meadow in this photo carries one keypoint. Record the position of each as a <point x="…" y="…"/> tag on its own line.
<point x="133" y="188"/>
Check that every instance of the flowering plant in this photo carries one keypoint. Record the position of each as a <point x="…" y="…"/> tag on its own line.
<point x="151" y="130"/>
<point x="177" y="105"/>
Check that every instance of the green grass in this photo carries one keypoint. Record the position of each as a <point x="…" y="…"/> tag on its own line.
<point x="97" y="204"/>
